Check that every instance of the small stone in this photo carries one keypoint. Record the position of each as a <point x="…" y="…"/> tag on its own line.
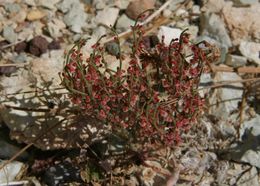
<point x="168" y="33"/>
<point x="30" y="2"/>
<point x="55" y="27"/>
<point x="38" y="45"/>
<point x="66" y="5"/>
<point x="123" y="22"/>
<point x="9" y="172"/>
<point x="251" y="51"/>
<point x="236" y="61"/>
<point x="214" y="27"/>
<point x="3" y="43"/>
<point x="12" y="7"/>
<point x="21" y="58"/>
<point x="229" y="97"/>
<point x="107" y="16"/>
<point x="136" y="7"/>
<point x="112" y="48"/>
<point x="20" y="16"/>
<point x="9" y="34"/>
<point x="48" y="4"/>
<point x="99" y="4"/>
<point x="54" y="45"/>
<point x="35" y="15"/>
<point x="76" y="17"/>
<point x="21" y="47"/>
<point x="121" y="4"/>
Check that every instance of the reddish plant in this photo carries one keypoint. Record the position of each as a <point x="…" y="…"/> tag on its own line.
<point x="156" y="97"/>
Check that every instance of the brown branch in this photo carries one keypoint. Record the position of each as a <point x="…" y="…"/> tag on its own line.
<point x="253" y="70"/>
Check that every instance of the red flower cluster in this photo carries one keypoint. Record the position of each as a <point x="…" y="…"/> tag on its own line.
<point x="156" y="97"/>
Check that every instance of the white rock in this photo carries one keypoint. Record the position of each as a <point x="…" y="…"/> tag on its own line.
<point x="107" y="16"/>
<point x="10" y="171"/>
<point x="55" y="27"/>
<point x="225" y="100"/>
<point x="30" y="2"/>
<point x="76" y="17"/>
<point x="251" y="51"/>
<point x="9" y="34"/>
<point x="48" y="4"/>
<point x="65" y="5"/>
<point x="169" y="34"/>
<point x="235" y="60"/>
<point x="124" y="22"/>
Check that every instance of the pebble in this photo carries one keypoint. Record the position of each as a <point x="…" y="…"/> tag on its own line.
<point x="229" y="97"/>
<point x="112" y="48"/>
<point x="12" y="7"/>
<point x="251" y="51"/>
<point x="10" y="171"/>
<point x="35" y="15"/>
<point x="21" y="47"/>
<point x="30" y="2"/>
<point x="214" y="27"/>
<point x="54" y="45"/>
<point x="248" y="150"/>
<point x="48" y="4"/>
<point x="124" y="22"/>
<point x="121" y="4"/>
<point x="55" y="27"/>
<point x="168" y="33"/>
<point x="236" y="61"/>
<point x="136" y="7"/>
<point x="243" y="23"/>
<point x="9" y="34"/>
<point x="76" y="17"/>
<point x="38" y="45"/>
<point x="64" y="6"/>
<point x="107" y="17"/>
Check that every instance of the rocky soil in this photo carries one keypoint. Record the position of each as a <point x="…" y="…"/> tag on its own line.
<point x="222" y="149"/>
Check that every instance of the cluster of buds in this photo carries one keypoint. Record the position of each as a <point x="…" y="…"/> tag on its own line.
<point x="155" y="97"/>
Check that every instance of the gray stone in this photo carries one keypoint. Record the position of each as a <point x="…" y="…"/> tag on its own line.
<point x="9" y="34"/>
<point x="168" y="33"/>
<point x="48" y="4"/>
<point x="225" y="100"/>
<point x="10" y="172"/>
<point x="76" y="17"/>
<point x="107" y="16"/>
<point x="227" y="129"/>
<point x="124" y="22"/>
<point x="99" y="4"/>
<point x="21" y="58"/>
<point x="12" y="7"/>
<point x="236" y="61"/>
<point x="205" y="80"/>
<point x="213" y="26"/>
<point x="248" y="149"/>
<point x="65" y="5"/>
<point x="251" y="51"/>
<point x="55" y="26"/>
<point x="223" y="48"/>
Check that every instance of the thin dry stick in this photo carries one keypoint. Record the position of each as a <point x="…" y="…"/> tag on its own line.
<point x="149" y="19"/>
<point x="14" y="65"/>
<point x="253" y="70"/>
<point x="224" y="83"/>
<point x="11" y="44"/>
